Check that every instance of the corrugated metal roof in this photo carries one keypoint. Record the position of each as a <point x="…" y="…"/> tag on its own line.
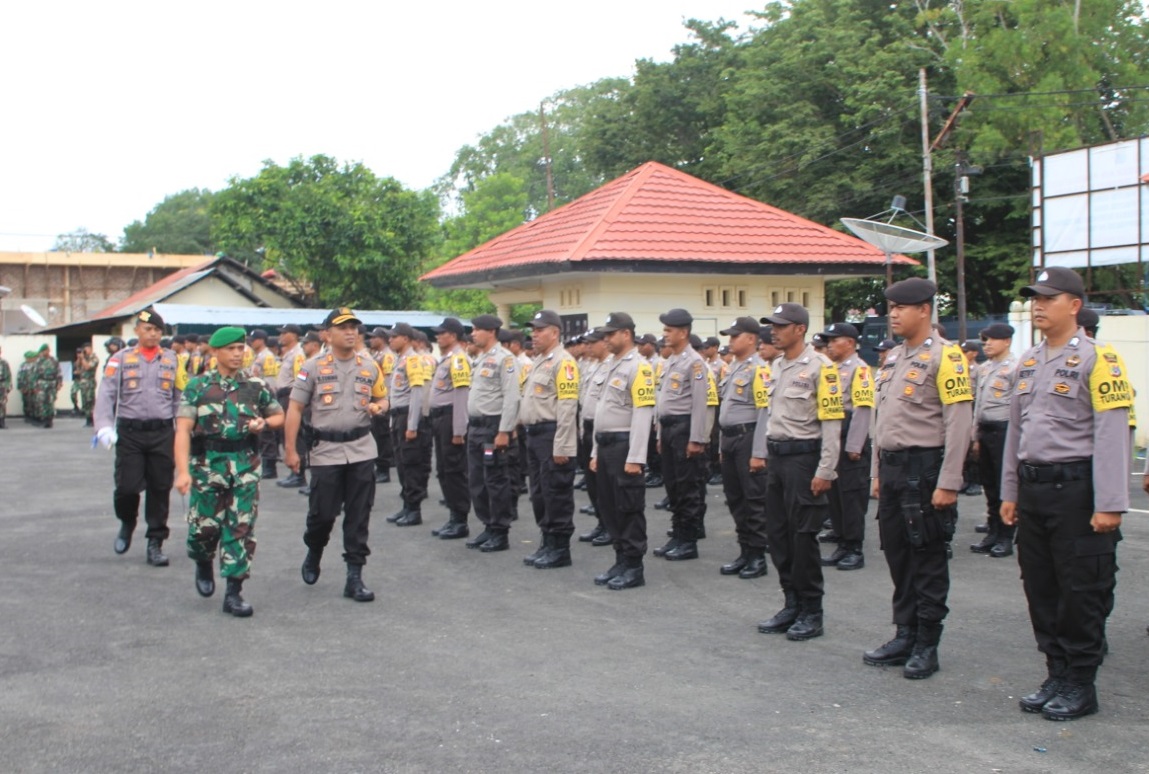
<point x="656" y="214"/>
<point x="268" y="318"/>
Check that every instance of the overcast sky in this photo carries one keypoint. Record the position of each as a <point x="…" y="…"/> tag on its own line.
<point x="110" y="106"/>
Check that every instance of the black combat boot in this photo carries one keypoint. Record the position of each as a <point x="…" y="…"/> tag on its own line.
<point x="123" y="539"/>
<point x="310" y="568"/>
<point x="663" y="504"/>
<point x="413" y="518"/>
<point x="156" y="557"/>
<point x="615" y="570"/>
<point x="479" y="539"/>
<point x="853" y="560"/>
<point x="895" y="652"/>
<point x="354" y="588"/>
<point x="1037" y="700"/>
<point x="383" y="476"/>
<point x="232" y="601"/>
<point x="395" y="517"/>
<point x="455" y="528"/>
<point x="923" y="662"/>
<point x="784" y="618"/>
<point x="631" y="576"/>
<point x="809" y="623"/>
<point x="498" y="541"/>
<point x="544" y="547"/>
<point x="756" y="565"/>
<point x="686" y="549"/>
<point x="671" y="544"/>
<point x="588" y="537"/>
<point x="270" y="472"/>
<point x="293" y="480"/>
<point x="839" y="554"/>
<point x="986" y="544"/>
<point x="604" y="539"/>
<point x="1076" y="698"/>
<point x="204" y="582"/>
<point x="558" y="556"/>
<point x="735" y="567"/>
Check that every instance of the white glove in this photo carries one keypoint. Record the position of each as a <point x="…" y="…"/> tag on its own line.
<point x="106" y="437"/>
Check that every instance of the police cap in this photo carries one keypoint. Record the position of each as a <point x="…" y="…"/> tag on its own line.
<point x="676" y="318"/>
<point x="742" y="325"/>
<point x="292" y="328"/>
<point x="711" y="341"/>
<point x="259" y="333"/>
<point x="150" y="316"/>
<point x="1054" y="281"/>
<point x="487" y="322"/>
<point x="788" y="314"/>
<point x="1003" y="331"/>
<point x="545" y="318"/>
<point x="341" y="315"/>
<point x="593" y="335"/>
<point x="1088" y="318"/>
<point x="617" y="321"/>
<point x="312" y="337"/>
<point x="837" y="330"/>
<point x="647" y="338"/>
<point x="914" y="290"/>
<point x="403" y="329"/>
<point x="884" y="345"/>
<point x="695" y="341"/>
<point x="449" y="325"/>
<point x="179" y="338"/>
<point x="192" y="338"/>
<point x="379" y="333"/>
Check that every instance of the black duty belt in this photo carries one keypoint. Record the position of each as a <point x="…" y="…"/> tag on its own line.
<point x="539" y="428"/>
<point x="143" y="424"/>
<point x="283" y="392"/>
<point x="201" y="445"/>
<point x="340" y="436"/>
<point x="735" y="430"/>
<point x="789" y="448"/>
<point x="674" y="419"/>
<point x="993" y="427"/>
<point x="925" y="454"/>
<point x="1040" y="473"/>
<point x="609" y="439"/>
<point x="438" y="411"/>
<point x="484" y="421"/>
<point x="400" y="411"/>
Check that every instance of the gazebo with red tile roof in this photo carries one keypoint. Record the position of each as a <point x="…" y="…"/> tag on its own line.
<point x="657" y="238"/>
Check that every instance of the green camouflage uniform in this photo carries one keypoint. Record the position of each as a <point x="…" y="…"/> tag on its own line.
<point x="5" y="388"/>
<point x="84" y="386"/>
<point x="24" y="385"/>
<point x="46" y="383"/>
<point x="225" y="467"/>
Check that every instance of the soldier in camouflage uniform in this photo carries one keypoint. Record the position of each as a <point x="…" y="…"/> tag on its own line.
<point x="5" y="388"/>
<point x="221" y="416"/>
<point x="46" y="384"/>
<point x="84" y="382"/>
<point x="24" y="385"/>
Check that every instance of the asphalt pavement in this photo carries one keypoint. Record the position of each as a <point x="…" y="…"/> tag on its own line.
<point x="470" y="662"/>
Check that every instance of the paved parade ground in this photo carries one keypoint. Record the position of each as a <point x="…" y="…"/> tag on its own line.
<point x="473" y="662"/>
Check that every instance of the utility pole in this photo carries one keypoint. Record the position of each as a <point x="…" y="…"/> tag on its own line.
<point x="928" y="180"/>
<point x="959" y="199"/>
<point x="547" y="158"/>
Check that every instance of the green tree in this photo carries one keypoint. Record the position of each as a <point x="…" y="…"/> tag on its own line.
<point x="358" y="239"/>
<point x="179" y="225"/>
<point x="83" y="241"/>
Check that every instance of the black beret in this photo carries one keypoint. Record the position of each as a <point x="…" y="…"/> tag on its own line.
<point x="150" y="315"/>
<point x="1003" y="331"/>
<point x="695" y="340"/>
<point x="676" y="318"/>
<point x="914" y="290"/>
<point x="487" y="322"/>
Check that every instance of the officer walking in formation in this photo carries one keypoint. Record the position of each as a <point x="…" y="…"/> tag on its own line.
<point x="1065" y="486"/>
<point x="592" y="380"/>
<point x="379" y="341"/>
<point x="343" y="390"/>
<point x="25" y="384"/>
<point x="410" y="433"/>
<point x="622" y="426"/>
<point x="84" y="382"/>
<point x="492" y="411"/>
<point x="290" y="363"/>
<point x="921" y="434"/>
<point x="265" y="365"/>
<point x="549" y="414"/>
<point x="135" y="408"/>
<point x="742" y="416"/>
<point x="994" y="392"/>
<point x="450" y="392"/>
<point x="47" y="381"/>
<point x="683" y="433"/>
<point x="802" y="441"/>
<point x="221" y="419"/>
<point x="850" y="494"/>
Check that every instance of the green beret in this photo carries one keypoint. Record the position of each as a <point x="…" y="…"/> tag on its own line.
<point x="43" y="348"/>
<point x="225" y="336"/>
<point x="29" y="354"/>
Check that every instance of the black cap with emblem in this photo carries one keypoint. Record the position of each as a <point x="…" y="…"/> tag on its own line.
<point x="677" y="318"/>
<point x="838" y="329"/>
<point x="742" y="325"/>
<point x="885" y="344"/>
<point x="545" y="318"/>
<point x="1002" y="330"/>
<point x="617" y="321"/>
<point x="914" y="290"/>
<point x="341" y="315"/>
<point x="403" y="329"/>
<point x="449" y="325"/>
<point x="1088" y="319"/>
<point x="151" y="317"/>
<point x="1054" y="281"/>
<point x="788" y="314"/>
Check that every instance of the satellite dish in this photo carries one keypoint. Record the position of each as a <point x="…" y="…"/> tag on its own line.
<point x="33" y="315"/>
<point x="5" y="291"/>
<point x="893" y="239"/>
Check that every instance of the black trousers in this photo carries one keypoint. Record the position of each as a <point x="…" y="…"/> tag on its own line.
<point x="551" y="485"/>
<point x="913" y="537"/>
<point x="653" y="458"/>
<point x="413" y="459"/>
<point x="850" y="493"/>
<point x="622" y="499"/>
<point x="517" y="464"/>
<point x="713" y="449"/>
<point x="301" y="446"/>
<point x="585" y="447"/>
<point x="381" y="431"/>
<point x="793" y="518"/>
<point x="145" y="462"/>
<point x="991" y="455"/>
<point x="451" y="463"/>
<point x="685" y="479"/>
<point x="349" y="488"/>
<point x="489" y="478"/>
<point x="1068" y="571"/>
<point x="745" y="491"/>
